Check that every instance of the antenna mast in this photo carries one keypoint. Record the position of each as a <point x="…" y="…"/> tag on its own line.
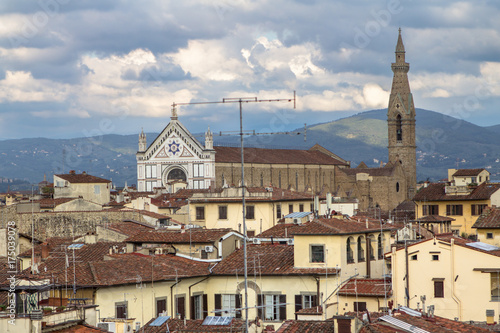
<point x="240" y="101"/>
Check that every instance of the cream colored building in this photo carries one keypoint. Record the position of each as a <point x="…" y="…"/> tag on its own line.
<point x="487" y="226"/>
<point x="459" y="278"/>
<point x="464" y="177"/>
<point x="222" y="208"/>
<point x="73" y="185"/>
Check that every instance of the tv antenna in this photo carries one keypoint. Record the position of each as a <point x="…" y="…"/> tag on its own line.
<point x="241" y="133"/>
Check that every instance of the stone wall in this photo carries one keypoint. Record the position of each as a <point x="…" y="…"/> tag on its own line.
<point x="63" y="224"/>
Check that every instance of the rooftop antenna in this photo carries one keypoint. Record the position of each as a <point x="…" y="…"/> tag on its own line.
<point x="240" y="101"/>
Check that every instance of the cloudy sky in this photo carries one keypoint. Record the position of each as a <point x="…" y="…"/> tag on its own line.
<point x="73" y="68"/>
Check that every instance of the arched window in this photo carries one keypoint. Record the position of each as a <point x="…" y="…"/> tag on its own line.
<point x="261" y="180"/>
<point x="361" y="250"/>
<point x="399" y="130"/>
<point x="176" y="174"/>
<point x="296" y="181"/>
<point x="350" y="253"/>
<point x="279" y="179"/>
<point x="380" y="246"/>
<point x="397" y="186"/>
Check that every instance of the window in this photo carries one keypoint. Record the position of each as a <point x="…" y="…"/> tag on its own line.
<point x="301" y="207"/>
<point x="279" y="180"/>
<point x="121" y="310"/>
<point x="161" y="305"/>
<point x="148" y="171"/>
<point x="97" y="189"/>
<point x="305" y="301"/>
<point x="222" y="212"/>
<point x="380" y="247"/>
<point x="477" y="209"/>
<point x="226" y="305"/>
<point x="489" y="235"/>
<point x="198" y="170"/>
<point x="180" y="307"/>
<point x="198" y="184"/>
<point x="278" y="211"/>
<point x="397" y="186"/>
<point x="435" y="257"/>
<point x="359" y="306"/>
<point x="399" y="130"/>
<point x="495" y="286"/>
<point x="454" y="210"/>
<point x="199" y="306"/>
<point x="414" y="257"/>
<point x="290" y="209"/>
<point x="430" y="210"/>
<point x="200" y="213"/>
<point x="369" y="241"/>
<point x="250" y="214"/>
<point x="250" y="233"/>
<point x="261" y="180"/>
<point x="361" y="250"/>
<point x="438" y="288"/>
<point x="311" y="207"/>
<point x="350" y="253"/>
<point x="317" y="253"/>
<point x="272" y="307"/>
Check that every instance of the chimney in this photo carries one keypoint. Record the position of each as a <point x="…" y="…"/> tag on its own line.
<point x="71" y="172"/>
<point x="45" y="250"/>
<point x="84" y="172"/>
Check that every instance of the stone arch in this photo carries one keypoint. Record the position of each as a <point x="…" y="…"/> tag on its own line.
<point x="251" y="284"/>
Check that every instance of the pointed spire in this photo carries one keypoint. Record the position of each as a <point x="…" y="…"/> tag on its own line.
<point x="399" y="46"/>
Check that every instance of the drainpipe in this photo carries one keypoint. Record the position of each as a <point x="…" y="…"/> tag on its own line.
<point x="172" y="297"/>
<point x="453" y="280"/>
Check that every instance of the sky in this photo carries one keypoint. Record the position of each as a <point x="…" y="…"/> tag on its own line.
<point x="73" y="68"/>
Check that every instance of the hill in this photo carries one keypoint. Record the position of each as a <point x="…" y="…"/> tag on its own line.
<point x="443" y="142"/>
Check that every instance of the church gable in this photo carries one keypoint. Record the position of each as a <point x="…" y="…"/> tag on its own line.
<point x="174" y="142"/>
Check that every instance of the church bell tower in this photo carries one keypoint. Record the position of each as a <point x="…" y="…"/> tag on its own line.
<point x="401" y="120"/>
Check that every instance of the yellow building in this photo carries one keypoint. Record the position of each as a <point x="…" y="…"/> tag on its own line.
<point x="83" y="185"/>
<point x="464" y="177"/>
<point x="459" y="278"/>
<point x="487" y="226"/>
<point x="464" y="203"/>
<point x="360" y="295"/>
<point x="222" y="208"/>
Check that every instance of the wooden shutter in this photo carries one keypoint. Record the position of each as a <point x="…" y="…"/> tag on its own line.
<point x="238" y="305"/>
<point x="315" y="300"/>
<point x="205" y="306"/>
<point x="283" y="307"/>
<point x="260" y="311"/>
<point x="181" y="307"/>
<point x="438" y="289"/>
<point x="298" y="302"/>
<point x="218" y="304"/>
<point x="191" y="307"/>
<point x="161" y="305"/>
<point x="344" y="325"/>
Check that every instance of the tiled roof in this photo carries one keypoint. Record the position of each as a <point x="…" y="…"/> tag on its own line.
<point x="311" y="311"/>
<point x="274" y="156"/>
<point x="130" y="228"/>
<point x="191" y="326"/>
<point x="367" y="287"/>
<point x="307" y="326"/>
<point x="332" y="226"/>
<point x="467" y="172"/>
<point x="436" y="192"/>
<point x="53" y="243"/>
<point x="270" y="259"/>
<point x="79" y="328"/>
<point x="194" y="235"/>
<point x="82" y="178"/>
<point x="5" y="268"/>
<point x="432" y="325"/>
<point x="387" y="170"/>
<point x="435" y="219"/>
<point x="489" y="219"/>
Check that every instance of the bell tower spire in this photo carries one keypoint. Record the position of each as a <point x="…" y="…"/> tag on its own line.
<point x="401" y="120"/>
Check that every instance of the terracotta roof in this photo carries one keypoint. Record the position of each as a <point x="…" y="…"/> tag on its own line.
<point x="307" y="326"/>
<point x="436" y="192"/>
<point x="272" y="259"/>
<point x="130" y="227"/>
<point x="387" y="170"/>
<point x="467" y="172"/>
<point x="312" y="311"/>
<point x="274" y="156"/>
<point x="432" y="325"/>
<point x="5" y="268"/>
<point x="489" y="219"/>
<point x="52" y="243"/>
<point x="177" y="325"/>
<point x="435" y="219"/>
<point x="367" y="287"/>
<point x="82" y="178"/>
<point x="194" y="235"/>
<point x="79" y="328"/>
